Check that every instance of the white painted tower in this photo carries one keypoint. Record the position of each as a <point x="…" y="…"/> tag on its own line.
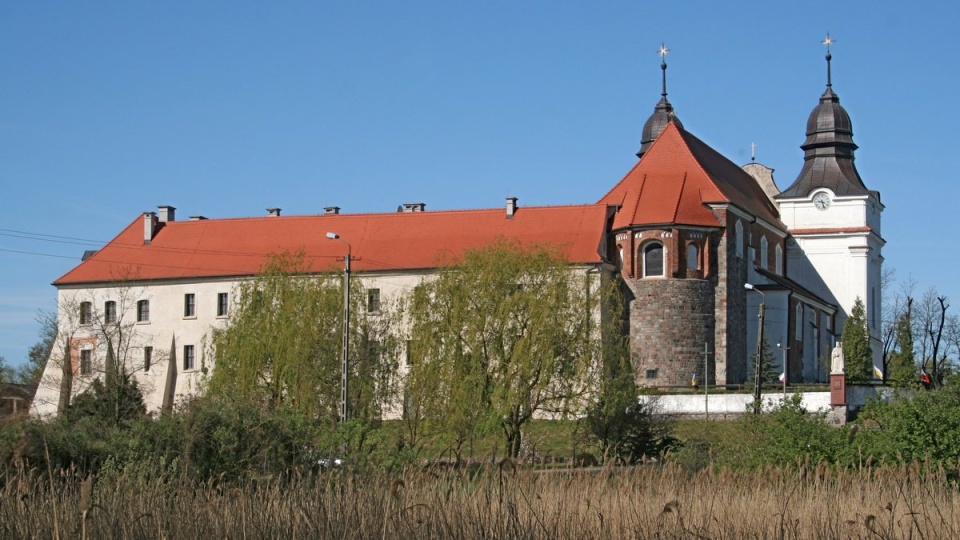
<point x="834" y="219"/>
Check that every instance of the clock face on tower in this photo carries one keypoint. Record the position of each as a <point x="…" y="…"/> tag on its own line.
<point x="821" y="201"/>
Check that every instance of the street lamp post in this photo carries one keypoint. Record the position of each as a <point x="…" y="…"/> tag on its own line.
<point x="345" y="363"/>
<point x="757" y="372"/>
<point x="784" y="349"/>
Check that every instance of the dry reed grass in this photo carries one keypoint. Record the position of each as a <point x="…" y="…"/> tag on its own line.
<point x="499" y="502"/>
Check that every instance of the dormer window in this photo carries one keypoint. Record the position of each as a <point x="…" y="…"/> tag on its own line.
<point x="653" y="260"/>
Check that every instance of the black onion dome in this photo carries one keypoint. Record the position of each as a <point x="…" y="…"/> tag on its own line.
<point x="829" y="123"/>
<point x="828" y="160"/>
<point x="662" y="115"/>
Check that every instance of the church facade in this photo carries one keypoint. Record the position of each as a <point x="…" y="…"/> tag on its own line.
<point x="703" y="246"/>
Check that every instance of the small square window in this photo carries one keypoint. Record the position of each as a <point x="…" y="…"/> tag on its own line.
<point x="373" y="300"/>
<point x="651" y="374"/>
<point x="86" y="362"/>
<point x="143" y="311"/>
<point x="189" y="358"/>
<point x="86" y="312"/>
<point x="110" y="312"/>
<point x="189" y="305"/>
<point x="147" y="358"/>
<point x="223" y="304"/>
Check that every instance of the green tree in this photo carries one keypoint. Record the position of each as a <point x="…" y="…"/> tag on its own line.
<point x="924" y="425"/>
<point x="770" y="368"/>
<point x="903" y="364"/>
<point x="282" y="346"/>
<point x="506" y="333"/>
<point x="115" y="403"/>
<point x="857" y="356"/>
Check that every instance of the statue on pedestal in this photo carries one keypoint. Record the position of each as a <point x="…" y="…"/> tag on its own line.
<point x="836" y="359"/>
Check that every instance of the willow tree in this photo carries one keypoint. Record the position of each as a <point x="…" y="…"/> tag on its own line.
<point x="500" y="336"/>
<point x="283" y="345"/>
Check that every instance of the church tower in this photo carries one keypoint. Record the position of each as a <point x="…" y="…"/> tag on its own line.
<point x="834" y="219"/>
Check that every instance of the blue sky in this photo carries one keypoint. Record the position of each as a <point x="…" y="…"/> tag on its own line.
<point x="108" y="109"/>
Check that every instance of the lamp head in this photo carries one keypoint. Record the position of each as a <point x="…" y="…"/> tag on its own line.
<point x="748" y="286"/>
<point x="333" y="236"/>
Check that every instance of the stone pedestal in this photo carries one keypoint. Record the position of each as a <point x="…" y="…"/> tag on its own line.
<point x="838" y="389"/>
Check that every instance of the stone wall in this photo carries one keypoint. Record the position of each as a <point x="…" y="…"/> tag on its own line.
<point x="670" y="321"/>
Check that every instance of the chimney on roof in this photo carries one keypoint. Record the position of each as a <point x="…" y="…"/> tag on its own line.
<point x="414" y="207"/>
<point x="149" y="226"/>
<point x="198" y="218"/>
<point x="167" y="213"/>
<point x="331" y="210"/>
<point x="511" y="206"/>
<point x="273" y="212"/>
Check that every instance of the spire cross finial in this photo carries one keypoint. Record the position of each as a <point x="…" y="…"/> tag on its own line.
<point x="663" y="66"/>
<point x="828" y="41"/>
<point x="753" y="151"/>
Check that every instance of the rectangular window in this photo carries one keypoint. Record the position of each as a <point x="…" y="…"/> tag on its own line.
<point x="189" y="305"/>
<point x="373" y="300"/>
<point x="110" y="312"/>
<point x="147" y="358"/>
<point x="651" y="374"/>
<point x="223" y="305"/>
<point x="189" y="358"/>
<point x="86" y="312"/>
<point x="86" y="362"/>
<point x="143" y="310"/>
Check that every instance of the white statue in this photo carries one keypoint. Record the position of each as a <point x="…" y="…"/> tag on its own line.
<point x="836" y="359"/>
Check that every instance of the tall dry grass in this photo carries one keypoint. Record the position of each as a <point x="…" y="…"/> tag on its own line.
<point x="500" y="502"/>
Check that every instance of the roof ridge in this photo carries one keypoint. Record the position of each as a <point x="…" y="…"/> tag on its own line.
<point x="372" y="214"/>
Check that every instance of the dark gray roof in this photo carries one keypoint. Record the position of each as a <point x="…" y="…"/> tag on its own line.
<point x="828" y="153"/>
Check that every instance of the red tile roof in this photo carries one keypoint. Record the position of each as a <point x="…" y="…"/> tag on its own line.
<point x="393" y="241"/>
<point x="677" y="176"/>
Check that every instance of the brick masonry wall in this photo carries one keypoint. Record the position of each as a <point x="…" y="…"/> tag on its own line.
<point x="731" y="305"/>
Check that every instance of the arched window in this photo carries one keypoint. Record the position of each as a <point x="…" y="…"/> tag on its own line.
<point x="798" y="331"/>
<point x="764" y="261"/>
<point x="739" y="229"/>
<point x="779" y="261"/>
<point x="693" y="257"/>
<point x="653" y="259"/>
<point x="620" y="249"/>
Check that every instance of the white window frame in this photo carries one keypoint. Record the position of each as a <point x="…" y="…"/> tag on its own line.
<point x="189" y="358"/>
<point x="223" y="304"/>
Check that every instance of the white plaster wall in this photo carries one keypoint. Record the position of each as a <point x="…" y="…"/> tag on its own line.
<point x="730" y="404"/>
<point x="859" y="211"/>
<point x="839" y="267"/>
<point x="166" y="324"/>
